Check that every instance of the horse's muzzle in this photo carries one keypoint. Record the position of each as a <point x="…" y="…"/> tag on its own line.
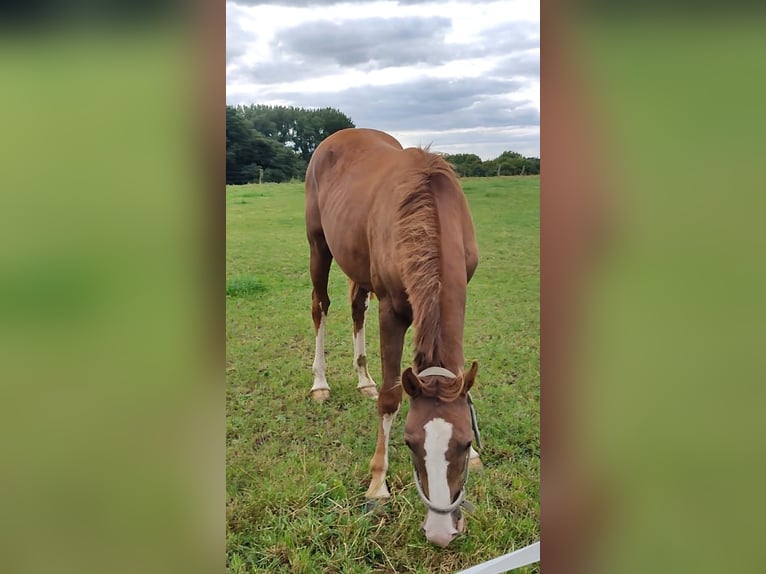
<point x="441" y="534"/>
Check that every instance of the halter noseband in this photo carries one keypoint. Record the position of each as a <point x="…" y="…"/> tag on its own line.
<point x="460" y="500"/>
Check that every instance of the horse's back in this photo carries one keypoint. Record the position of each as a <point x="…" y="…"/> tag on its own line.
<point x="359" y="137"/>
<point x="355" y="154"/>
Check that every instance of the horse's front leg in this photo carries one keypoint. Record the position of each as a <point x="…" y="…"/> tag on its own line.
<point x="392" y="330"/>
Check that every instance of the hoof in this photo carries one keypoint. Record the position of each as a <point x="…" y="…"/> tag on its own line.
<point x="320" y="395"/>
<point x="474" y="463"/>
<point x="370" y="391"/>
<point x="372" y="503"/>
<point x="378" y="491"/>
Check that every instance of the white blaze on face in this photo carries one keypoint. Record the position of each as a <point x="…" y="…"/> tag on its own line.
<point x="320" y="380"/>
<point x="439" y="527"/>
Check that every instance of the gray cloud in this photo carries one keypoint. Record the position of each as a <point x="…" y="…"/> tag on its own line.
<point x="291" y="3"/>
<point x="306" y="3"/>
<point x="428" y="104"/>
<point x="508" y="37"/>
<point x="436" y="103"/>
<point x="382" y="41"/>
<point x="486" y="143"/>
<point x="526" y="65"/>
<point x="319" y="48"/>
<point x="236" y="37"/>
<point x="279" y="71"/>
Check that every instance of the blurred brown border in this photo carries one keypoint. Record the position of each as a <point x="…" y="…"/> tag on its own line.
<point x="210" y="85"/>
<point x="209" y="89"/>
<point x="572" y="220"/>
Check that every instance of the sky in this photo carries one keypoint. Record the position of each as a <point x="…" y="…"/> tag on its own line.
<point x="463" y="77"/>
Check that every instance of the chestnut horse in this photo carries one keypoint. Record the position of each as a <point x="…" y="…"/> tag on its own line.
<point x="398" y="224"/>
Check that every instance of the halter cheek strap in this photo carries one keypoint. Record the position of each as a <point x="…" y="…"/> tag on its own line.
<point x="474" y="422"/>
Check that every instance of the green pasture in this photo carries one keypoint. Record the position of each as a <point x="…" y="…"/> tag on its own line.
<point x="297" y="470"/>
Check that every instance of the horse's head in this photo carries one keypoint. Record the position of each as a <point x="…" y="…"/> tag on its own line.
<point x="439" y="432"/>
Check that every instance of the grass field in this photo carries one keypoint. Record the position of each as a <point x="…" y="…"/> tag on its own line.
<point x="297" y="471"/>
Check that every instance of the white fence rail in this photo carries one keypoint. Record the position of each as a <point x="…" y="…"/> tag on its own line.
<point x="516" y="559"/>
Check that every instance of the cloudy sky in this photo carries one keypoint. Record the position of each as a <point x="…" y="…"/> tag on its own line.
<point x="462" y="76"/>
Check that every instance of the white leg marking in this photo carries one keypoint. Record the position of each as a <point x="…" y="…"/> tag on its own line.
<point x="359" y="351"/>
<point x="378" y="486"/>
<point x="388" y="421"/>
<point x="365" y="380"/>
<point x="320" y="380"/>
<point x="439" y="527"/>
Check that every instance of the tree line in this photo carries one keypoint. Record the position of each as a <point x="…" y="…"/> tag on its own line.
<point x="275" y="143"/>
<point x="507" y="163"/>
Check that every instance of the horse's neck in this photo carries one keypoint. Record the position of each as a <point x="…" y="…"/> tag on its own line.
<point x="449" y="343"/>
<point x="452" y="312"/>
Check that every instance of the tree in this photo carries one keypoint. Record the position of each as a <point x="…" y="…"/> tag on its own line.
<point x="239" y="154"/>
<point x="277" y="142"/>
<point x="278" y="139"/>
<point x="507" y="163"/>
<point x="466" y="164"/>
<point x="248" y="151"/>
<point x="316" y="125"/>
<point x="532" y="165"/>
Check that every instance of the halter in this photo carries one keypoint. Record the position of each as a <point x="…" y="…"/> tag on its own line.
<point x="441" y="371"/>
<point x="460" y="500"/>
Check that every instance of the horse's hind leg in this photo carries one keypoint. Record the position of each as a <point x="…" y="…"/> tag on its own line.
<point x="359" y="301"/>
<point x="321" y="259"/>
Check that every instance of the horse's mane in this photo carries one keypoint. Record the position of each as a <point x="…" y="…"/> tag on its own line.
<point x="419" y="252"/>
<point x="442" y="388"/>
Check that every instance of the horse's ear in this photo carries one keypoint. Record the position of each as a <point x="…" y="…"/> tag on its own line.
<point x="470" y="377"/>
<point x="410" y="382"/>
